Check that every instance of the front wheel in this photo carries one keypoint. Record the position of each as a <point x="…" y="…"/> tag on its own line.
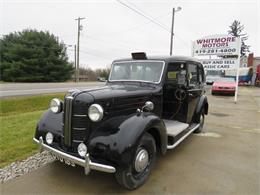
<point x="139" y="170"/>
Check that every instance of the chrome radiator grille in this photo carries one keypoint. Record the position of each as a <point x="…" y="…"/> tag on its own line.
<point x="75" y="121"/>
<point x="67" y="120"/>
<point x="80" y="122"/>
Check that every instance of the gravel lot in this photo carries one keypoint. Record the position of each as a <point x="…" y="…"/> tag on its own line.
<point x="23" y="167"/>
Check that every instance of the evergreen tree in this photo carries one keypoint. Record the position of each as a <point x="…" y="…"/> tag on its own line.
<point x="236" y="30"/>
<point x="33" y="56"/>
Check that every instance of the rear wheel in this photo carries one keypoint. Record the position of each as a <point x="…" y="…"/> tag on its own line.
<point x="201" y="123"/>
<point x="139" y="170"/>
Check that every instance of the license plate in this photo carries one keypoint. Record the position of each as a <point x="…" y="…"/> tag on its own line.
<point x="67" y="162"/>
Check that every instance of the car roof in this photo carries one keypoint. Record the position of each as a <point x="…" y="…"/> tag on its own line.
<point x="163" y="58"/>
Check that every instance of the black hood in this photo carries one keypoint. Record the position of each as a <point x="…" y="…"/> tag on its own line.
<point x="117" y="91"/>
<point x="118" y="99"/>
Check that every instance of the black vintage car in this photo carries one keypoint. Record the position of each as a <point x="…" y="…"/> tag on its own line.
<point x="149" y="105"/>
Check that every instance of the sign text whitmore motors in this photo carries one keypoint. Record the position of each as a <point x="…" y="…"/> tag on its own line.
<point x="216" y="45"/>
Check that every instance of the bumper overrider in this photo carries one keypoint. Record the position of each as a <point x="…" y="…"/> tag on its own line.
<point x="69" y="159"/>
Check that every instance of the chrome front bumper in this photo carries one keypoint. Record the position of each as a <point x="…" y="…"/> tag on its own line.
<point x="86" y="163"/>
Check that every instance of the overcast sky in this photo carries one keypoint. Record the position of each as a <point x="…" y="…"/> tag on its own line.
<point x="112" y="30"/>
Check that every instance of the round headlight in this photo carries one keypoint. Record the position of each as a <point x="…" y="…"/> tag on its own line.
<point x="56" y="105"/>
<point x="95" y="112"/>
<point x="49" y="138"/>
<point x="82" y="149"/>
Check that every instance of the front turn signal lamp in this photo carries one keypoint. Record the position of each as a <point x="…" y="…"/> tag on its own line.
<point x="49" y="138"/>
<point x="82" y="149"/>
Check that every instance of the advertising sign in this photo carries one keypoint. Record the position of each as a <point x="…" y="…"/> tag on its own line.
<point x="219" y="45"/>
<point x="216" y="45"/>
<point x="219" y="64"/>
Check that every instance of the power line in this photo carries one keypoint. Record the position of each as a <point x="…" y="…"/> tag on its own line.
<point x="140" y="12"/>
<point x="155" y="19"/>
<point x="143" y="15"/>
<point x="183" y="40"/>
<point x="112" y="45"/>
<point x="106" y="42"/>
<point x="131" y="28"/>
<point x="92" y="54"/>
<point x="103" y="41"/>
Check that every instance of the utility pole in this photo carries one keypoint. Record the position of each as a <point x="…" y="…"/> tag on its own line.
<point x="79" y="29"/>
<point x="75" y="61"/>
<point x="172" y="33"/>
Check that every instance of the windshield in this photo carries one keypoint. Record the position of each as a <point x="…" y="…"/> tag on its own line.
<point x="228" y="80"/>
<point x="147" y="71"/>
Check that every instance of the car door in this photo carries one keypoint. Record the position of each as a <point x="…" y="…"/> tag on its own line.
<point x="195" y="87"/>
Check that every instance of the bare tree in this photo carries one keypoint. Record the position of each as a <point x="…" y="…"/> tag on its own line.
<point x="236" y="30"/>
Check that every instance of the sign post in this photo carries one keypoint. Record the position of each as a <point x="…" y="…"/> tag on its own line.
<point x="220" y="46"/>
<point x="237" y="75"/>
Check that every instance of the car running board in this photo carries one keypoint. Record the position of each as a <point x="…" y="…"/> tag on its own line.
<point x="174" y="127"/>
<point x="174" y="140"/>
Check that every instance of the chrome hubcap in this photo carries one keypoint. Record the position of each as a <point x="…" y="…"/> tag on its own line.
<point x="141" y="160"/>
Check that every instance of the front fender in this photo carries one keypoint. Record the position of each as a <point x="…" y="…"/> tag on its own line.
<point x="117" y="138"/>
<point x="49" y="122"/>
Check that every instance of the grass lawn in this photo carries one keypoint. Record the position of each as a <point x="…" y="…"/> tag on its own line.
<point x="18" y="118"/>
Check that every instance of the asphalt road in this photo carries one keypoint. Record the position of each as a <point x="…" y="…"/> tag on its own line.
<point x="26" y="89"/>
<point x="225" y="159"/>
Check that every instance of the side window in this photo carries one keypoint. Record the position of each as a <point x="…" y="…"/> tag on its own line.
<point x="176" y="74"/>
<point x="193" y="74"/>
